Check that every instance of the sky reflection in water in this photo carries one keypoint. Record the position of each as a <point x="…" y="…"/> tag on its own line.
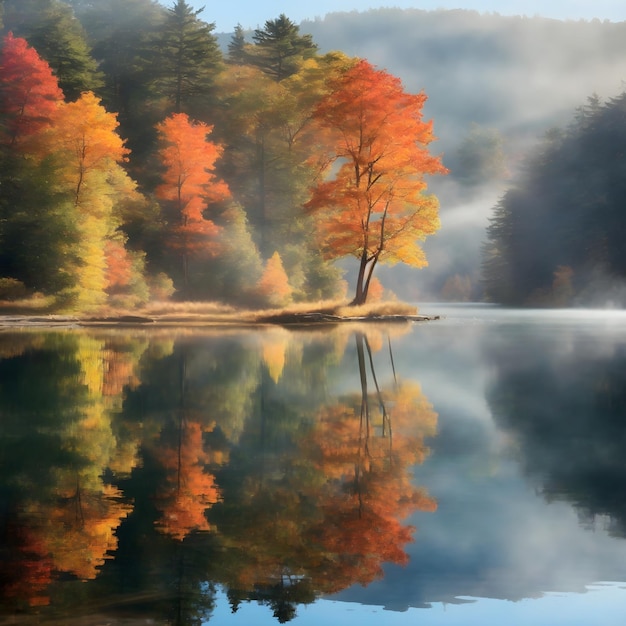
<point x="523" y="413"/>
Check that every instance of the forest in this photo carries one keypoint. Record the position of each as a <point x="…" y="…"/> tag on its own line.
<point x="556" y="237"/>
<point x="146" y="157"/>
<point x="140" y="161"/>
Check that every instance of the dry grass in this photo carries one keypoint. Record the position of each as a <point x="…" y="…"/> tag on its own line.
<point x="27" y="306"/>
<point x="376" y="309"/>
<point x="191" y="313"/>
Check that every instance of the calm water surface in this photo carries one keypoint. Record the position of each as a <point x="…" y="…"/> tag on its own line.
<point x="470" y="470"/>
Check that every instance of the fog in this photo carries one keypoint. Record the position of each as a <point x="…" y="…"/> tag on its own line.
<point x="520" y="76"/>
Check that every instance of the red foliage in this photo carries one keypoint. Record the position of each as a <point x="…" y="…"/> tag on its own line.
<point x="29" y="92"/>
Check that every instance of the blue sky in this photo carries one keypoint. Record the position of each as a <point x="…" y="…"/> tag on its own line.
<point x="253" y="14"/>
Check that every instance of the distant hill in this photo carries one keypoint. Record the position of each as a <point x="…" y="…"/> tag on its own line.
<point x="515" y="73"/>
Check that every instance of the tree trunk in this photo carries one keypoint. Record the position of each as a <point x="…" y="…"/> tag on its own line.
<point x="366" y="269"/>
<point x="362" y="284"/>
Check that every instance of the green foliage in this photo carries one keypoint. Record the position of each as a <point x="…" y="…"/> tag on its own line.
<point x="123" y="35"/>
<point x="12" y="289"/>
<point x="560" y="229"/>
<point x="187" y="61"/>
<point x="49" y="27"/>
<point x="38" y="227"/>
<point x="237" y="47"/>
<point x="279" y="48"/>
<point x="232" y="275"/>
<point x="481" y="157"/>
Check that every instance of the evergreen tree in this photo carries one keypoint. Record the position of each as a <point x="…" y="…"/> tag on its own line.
<point x="123" y="35"/>
<point x="563" y="219"/>
<point x="237" y="53"/>
<point x="279" y="48"/>
<point x="189" y="60"/>
<point x="49" y="27"/>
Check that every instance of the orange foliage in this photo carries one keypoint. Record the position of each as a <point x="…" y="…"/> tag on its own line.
<point x="274" y="284"/>
<point x="374" y="207"/>
<point x="189" y="490"/>
<point x="76" y="534"/>
<point x="87" y="134"/>
<point x="368" y="489"/>
<point x="29" y="92"/>
<point x="189" y="183"/>
<point x="119" y="371"/>
<point x="274" y="346"/>
<point x="376" y="290"/>
<point x="119" y="267"/>
<point x="87" y="522"/>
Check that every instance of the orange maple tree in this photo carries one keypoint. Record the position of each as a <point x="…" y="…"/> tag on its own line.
<point x="370" y="199"/>
<point x="29" y="92"/>
<point x="366" y="455"/>
<point x="189" y="490"/>
<point x="189" y="184"/>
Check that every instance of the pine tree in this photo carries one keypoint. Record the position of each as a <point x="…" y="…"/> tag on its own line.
<point x="189" y="59"/>
<point x="237" y="53"/>
<point x="50" y="27"/>
<point x="280" y="48"/>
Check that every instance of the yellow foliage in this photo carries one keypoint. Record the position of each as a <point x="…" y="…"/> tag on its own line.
<point x="274" y="284"/>
<point x="274" y="350"/>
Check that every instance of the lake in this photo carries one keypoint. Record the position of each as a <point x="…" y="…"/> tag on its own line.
<point x="464" y="471"/>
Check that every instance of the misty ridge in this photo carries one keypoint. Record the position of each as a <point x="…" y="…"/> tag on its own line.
<point x="518" y="77"/>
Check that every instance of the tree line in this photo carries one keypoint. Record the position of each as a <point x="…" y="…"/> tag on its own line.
<point x="140" y="161"/>
<point x="556" y="236"/>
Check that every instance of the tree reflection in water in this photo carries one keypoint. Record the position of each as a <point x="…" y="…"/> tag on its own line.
<point x="203" y="461"/>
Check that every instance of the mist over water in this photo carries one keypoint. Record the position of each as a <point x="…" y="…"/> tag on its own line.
<point x="520" y="76"/>
<point x="512" y="419"/>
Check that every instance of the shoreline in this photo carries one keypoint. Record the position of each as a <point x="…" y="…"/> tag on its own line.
<point x="193" y="321"/>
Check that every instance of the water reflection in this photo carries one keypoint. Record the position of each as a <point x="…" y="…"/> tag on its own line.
<point x="149" y="469"/>
<point x="563" y="400"/>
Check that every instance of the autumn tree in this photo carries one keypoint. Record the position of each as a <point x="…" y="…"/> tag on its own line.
<point x="36" y="229"/>
<point x="189" y="186"/>
<point x="29" y="92"/>
<point x="188" y="490"/>
<point x="268" y="131"/>
<point x="90" y="154"/>
<point x="274" y="284"/>
<point x="50" y="27"/>
<point x="364" y="444"/>
<point x="370" y="200"/>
